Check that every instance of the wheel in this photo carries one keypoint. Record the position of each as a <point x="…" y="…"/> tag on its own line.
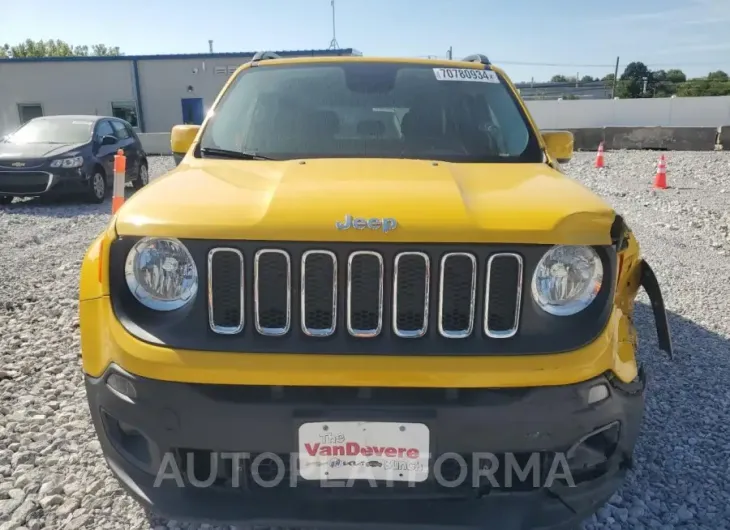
<point x="98" y="189"/>
<point x="5" y="199"/>
<point x="143" y="177"/>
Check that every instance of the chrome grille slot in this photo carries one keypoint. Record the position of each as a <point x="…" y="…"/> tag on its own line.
<point x="411" y="280"/>
<point x="503" y="295"/>
<point x="319" y="293"/>
<point x="457" y="295"/>
<point x="226" y="314"/>
<point x="365" y="294"/>
<point x="272" y="292"/>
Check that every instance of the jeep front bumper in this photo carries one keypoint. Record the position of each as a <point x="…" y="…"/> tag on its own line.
<point x="157" y="418"/>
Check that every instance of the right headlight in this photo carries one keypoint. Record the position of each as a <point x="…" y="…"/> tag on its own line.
<point x="567" y="279"/>
<point x="161" y="273"/>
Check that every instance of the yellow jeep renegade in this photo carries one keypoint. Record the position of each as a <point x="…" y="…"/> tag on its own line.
<point x="367" y="295"/>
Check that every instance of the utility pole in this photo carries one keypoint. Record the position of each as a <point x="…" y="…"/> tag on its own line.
<point x="615" y="80"/>
<point x="451" y="54"/>
<point x="333" y="42"/>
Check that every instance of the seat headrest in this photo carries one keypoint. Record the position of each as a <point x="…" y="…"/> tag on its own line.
<point x="371" y="128"/>
<point x="422" y="120"/>
<point x="323" y="122"/>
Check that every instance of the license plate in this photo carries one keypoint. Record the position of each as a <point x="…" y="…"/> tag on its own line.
<point x="358" y="450"/>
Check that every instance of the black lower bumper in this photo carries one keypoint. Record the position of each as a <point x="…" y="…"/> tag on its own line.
<point x="46" y="182"/>
<point x="172" y="446"/>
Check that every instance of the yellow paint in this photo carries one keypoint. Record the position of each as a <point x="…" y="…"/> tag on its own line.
<point x="104" y="340"/>
<point x="182" y="136"/>
<point x="300" y="201"/>
<point x="287" y="200"/>
<point x="559" y="144"/>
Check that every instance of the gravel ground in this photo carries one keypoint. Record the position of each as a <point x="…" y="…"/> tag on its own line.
<point x="52" y="474"/>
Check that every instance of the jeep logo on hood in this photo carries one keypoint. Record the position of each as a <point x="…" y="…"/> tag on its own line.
<point x="386" y="224"/>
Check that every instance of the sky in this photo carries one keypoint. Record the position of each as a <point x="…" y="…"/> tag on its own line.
<point x="528" y="38"/>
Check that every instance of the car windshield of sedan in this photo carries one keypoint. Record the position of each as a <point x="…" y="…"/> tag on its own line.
<point x="52" y="131"/>
<point x="372" y="110"/>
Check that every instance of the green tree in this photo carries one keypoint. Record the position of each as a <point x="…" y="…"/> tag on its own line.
<point x="676" y="76"/>
<point x="56" y="48"/>
<point x="662" y="87"/>
<point x="587" y="79"/>
<point x="635" y="77"/>
<point x="709" y="86"/>
<point x="717" y="76"/>
<point x="558" y="79"/>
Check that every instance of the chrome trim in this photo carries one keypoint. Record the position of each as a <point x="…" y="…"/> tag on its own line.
<point x="411" y="334"/>
<point x="364" y="333"/>
<point x="472" y="306"/>
<point x="520" y="267"/>
<point x="326" y="332"/>
<point x="51" y="179"/>
<point x="271" y="332"/>
<point x="225" y="330"/>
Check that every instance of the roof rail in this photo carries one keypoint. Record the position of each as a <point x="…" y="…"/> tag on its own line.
<point x="477" y="58"/>
<point x="263" y="56"/>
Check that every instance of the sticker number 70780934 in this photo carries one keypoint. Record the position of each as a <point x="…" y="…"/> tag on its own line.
<point x="465" y="74"/>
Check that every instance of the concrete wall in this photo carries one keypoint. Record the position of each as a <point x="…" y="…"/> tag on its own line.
<point x="654" y="112"/>
<point x="63" y="88"/>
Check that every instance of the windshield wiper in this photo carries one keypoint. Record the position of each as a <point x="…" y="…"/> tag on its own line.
<point x="227" y="153"/>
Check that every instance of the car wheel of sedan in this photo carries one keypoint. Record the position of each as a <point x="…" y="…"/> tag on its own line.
<point x="5" y="199"/>
<point x="97" y="188"/>
<point x="143" y="177"/>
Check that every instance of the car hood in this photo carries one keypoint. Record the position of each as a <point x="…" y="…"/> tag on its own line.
<point x="430" y="201"/>
<point x="34" y="151"/>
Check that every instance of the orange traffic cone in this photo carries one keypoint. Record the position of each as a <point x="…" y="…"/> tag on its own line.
<point x="600" y="162"/>
<point x="660" y="180"/>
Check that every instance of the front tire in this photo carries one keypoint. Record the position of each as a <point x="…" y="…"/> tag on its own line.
<point x="143" y="177"/>
<point x="98" y="189"/>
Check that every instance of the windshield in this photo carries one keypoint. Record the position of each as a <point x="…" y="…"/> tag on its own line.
<point x="53" y="131"/>
<point x="369" y="110"/>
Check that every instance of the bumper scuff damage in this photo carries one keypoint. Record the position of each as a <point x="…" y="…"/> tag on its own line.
<point x="164" y="439"/>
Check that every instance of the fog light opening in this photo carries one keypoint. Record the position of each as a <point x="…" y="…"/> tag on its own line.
<point x="597" y="393"/>
<point x="121" y="386"/>
<point x="589" y="457"/>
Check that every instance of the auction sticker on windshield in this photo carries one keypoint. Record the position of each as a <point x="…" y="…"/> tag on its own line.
<point x="465" y="74"/>
<point x="360" y="450"/>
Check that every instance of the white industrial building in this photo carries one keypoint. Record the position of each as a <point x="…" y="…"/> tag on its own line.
<point x="152" y="92"/>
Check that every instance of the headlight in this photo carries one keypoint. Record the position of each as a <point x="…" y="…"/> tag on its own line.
<point x="567" y="279"/>
<point x="161" y="273"/>
<point x="76" y="161"/>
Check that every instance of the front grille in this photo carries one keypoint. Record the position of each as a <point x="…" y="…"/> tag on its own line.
<point x="450" y="474"/>
<point x="24" y="181"/>
<point x="226" y="291"/>
<point x="372" y="287"/>
<point x="27" y="164"/>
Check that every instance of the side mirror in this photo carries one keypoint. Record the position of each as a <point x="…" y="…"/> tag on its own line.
<point x="559" y="145"/>
<point x="108" y="140"/>
<point x="181" y="138"/>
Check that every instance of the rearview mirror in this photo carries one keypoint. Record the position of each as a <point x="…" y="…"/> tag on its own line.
<point x="181" y="138"/>
<point x="559" y="145"/>
<point x="108" y="140"/>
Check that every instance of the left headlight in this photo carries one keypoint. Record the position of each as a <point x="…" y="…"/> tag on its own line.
<point x="161" y="273"/>
<point x="76" y="161"/>
<point x="567" y="279"/>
